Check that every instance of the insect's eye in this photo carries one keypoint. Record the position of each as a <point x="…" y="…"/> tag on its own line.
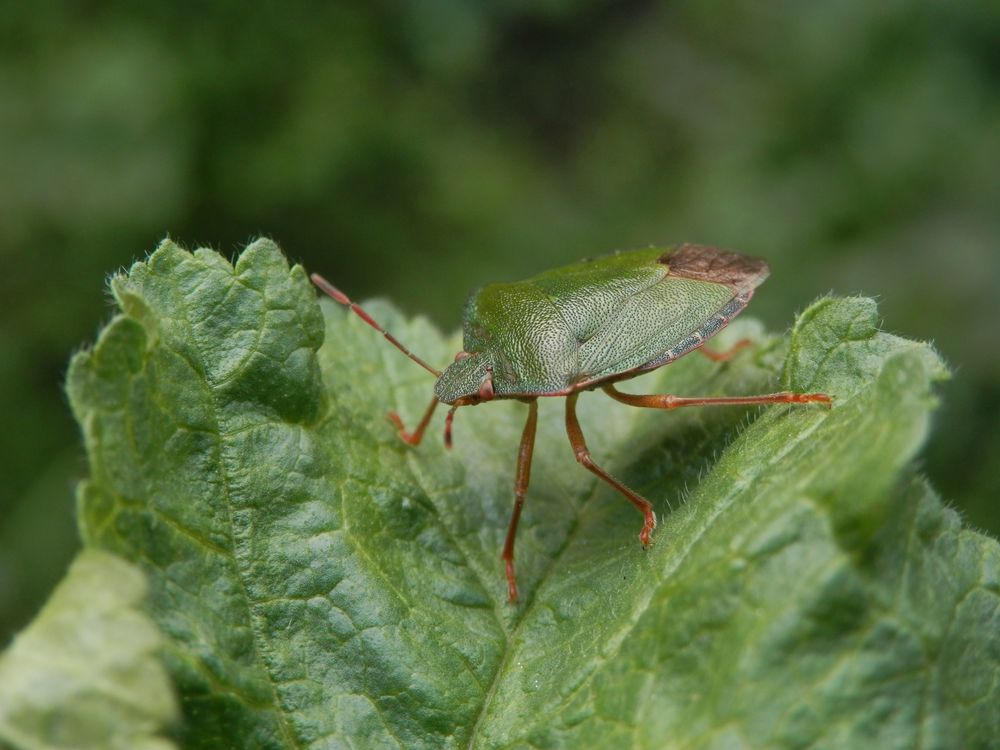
<point x="460" y="356"/>
<point x="486" y="389"/>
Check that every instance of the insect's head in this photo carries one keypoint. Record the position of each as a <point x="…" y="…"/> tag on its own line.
<point x="466" y="381"/>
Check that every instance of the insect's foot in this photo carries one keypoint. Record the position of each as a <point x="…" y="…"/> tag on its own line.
<point x="511" y="583"/>
<point x="646" y="535"/>
<point x="814" y="398"/>
<point x="407" y="437"/>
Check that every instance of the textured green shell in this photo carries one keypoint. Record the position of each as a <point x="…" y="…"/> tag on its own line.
<point x="597" y="321"/>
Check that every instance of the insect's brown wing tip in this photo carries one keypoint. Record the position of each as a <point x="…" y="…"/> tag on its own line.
<point x="742" y="273"/>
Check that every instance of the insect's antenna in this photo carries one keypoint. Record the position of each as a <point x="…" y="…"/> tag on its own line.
<point x="447" y="427"/>
<point x="343" y="299"/>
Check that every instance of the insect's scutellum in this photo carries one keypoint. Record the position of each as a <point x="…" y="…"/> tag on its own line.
<point x="583" y="327"/>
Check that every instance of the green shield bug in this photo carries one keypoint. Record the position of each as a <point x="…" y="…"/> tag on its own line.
<point x="583" y="327"/>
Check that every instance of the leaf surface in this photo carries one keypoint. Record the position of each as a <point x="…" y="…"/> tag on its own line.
<point x="323" y="585"/>
<point x="85" y="674"/>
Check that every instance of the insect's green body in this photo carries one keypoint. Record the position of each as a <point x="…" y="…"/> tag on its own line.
<point x="586" y="326"/>
<point x="596" y="321"/>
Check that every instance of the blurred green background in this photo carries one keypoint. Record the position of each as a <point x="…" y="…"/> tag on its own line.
<point x="417" y="150"/>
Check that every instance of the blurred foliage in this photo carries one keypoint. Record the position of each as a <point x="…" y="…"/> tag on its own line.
<point x="416" y="150"/>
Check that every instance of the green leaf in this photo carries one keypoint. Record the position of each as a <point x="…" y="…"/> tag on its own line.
<point x="86" y="673"/>
<point x="324" y="585"/>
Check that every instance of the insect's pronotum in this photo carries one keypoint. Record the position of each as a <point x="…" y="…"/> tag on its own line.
<point x="583" y="327"/>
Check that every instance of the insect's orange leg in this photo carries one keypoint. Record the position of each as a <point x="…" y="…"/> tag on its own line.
<point x="666" y="401"/>
<point x="726" y="354"/>
<point x="414" y="438"/>
<point x="582" y="454"/>
<point x="520" y="490"/>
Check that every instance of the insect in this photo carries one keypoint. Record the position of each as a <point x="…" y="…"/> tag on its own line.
<point x="583" y="327"/>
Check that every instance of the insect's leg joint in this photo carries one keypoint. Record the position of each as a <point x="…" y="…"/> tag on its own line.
<point x="668" y="401"/>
